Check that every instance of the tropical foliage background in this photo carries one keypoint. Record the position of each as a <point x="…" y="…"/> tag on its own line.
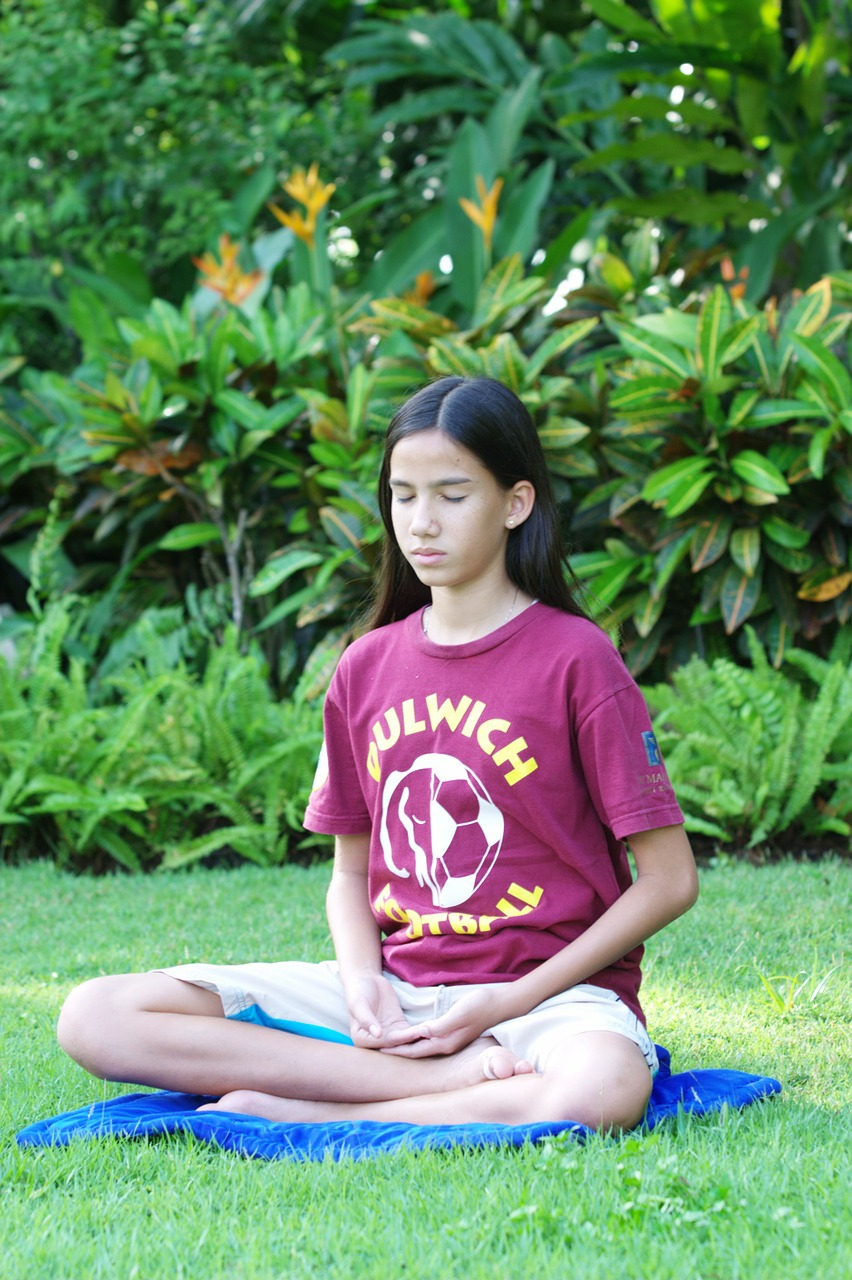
<point x="234" y="235"/>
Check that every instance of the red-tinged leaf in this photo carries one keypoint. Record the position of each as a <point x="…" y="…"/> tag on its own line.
<point x="709" y="542"/>
<point x="778" y="637"/>
<point x="789" y="558"/>
<point x="738" y="596"/>
<point x="647" y="613"/>
<point x="835" y="547"/>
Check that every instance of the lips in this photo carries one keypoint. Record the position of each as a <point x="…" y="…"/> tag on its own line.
<point x="426" y="555"/>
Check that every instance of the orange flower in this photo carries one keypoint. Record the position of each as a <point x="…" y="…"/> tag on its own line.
<point x="307" y="189"/>
<point x="226" y="276"/>
<point x="737" y="281"/>
<point x="424" y="287"/>
<point x="485" y="213"/>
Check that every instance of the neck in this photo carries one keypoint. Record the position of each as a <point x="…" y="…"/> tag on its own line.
<point x="453" y="620"/>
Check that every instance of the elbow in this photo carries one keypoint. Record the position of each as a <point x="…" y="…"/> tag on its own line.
<point x="688" y="888"/>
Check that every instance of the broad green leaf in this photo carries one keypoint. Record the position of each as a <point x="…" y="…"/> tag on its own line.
<point x="342" y="527"/>
<point x="744" y="549"/>
<point x="738" y="596"/>
<point x="624" y="18"/>
<point x="556" y="344"/>
<point x="456" y="358"/>
<point x="653" y="350"/>
<point x="709" y="542"/>
<point x="641" y="393"/>
<point x="588" y="563"/>
<point x="647" y="611"/>
<point x="244" y="411"/>
<point x="758" y="497"/>
<point x="504" y="288"/>
<point x="828" y="369"/>
<point x="518" y="217"/>
<point x="789" y="558"/>
<point x="687" y="494"/>
<point x="758" y="472"/>
<point x="738" y="339"/>
<point x="562" y="433"/>
<point x="607" y="586"/>
<point x="770" y="413"/>
<point x="818" y="448"/>
<point x="279" y="568"/>
<point x="358" y="391"/>
<point x="669" y="480"/>
<point x="785" y="533"/>
<point x="614" y="272"/>
<point x="185" y="536"/>
<point x="713" y="320"/>
<point x="643" y="257"/>
<point x="671" y="149"/>
<point x="679" y="327"/>
<point x="667" y="559"/>
<point x="421" y="323"/>
<point x="505" y="361"/>
<point x="808" y="313"/>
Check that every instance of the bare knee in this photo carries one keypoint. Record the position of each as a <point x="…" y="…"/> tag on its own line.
<point x="101" y="1024"/>
<point x="606" y="1092"/>
<point x="86" y="1023"/>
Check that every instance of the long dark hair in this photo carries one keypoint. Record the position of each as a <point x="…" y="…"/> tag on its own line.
<point x="490" y="421"/>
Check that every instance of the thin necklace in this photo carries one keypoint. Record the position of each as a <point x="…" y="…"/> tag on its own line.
<point x="428" y="610"/>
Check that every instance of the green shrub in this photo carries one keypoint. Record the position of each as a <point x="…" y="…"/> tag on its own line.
<point x="141" y="765"/>
<point x="755" y="753"/>
<point x="723" y="457"/>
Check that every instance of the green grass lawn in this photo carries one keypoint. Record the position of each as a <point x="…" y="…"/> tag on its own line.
<point x="760" y="1193"/>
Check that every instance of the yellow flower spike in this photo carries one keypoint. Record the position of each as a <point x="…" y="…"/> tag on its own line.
<point x="308" y="190"/>
<point x="224" y="275"/>
<point x="484" y="215"/>
<point x="300" y="227"/>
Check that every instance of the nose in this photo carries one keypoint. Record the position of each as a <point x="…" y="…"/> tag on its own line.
<point x="422" y="518"/>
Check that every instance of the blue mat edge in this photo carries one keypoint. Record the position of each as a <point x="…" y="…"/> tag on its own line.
<point x="138" y="1115"/>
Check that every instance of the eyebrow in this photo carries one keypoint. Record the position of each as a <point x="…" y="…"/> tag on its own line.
<point x="438" y="484"/>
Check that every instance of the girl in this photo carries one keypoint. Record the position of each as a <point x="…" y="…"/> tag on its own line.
<point x="486" y="755"/>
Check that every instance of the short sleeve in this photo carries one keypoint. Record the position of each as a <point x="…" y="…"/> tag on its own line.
<point x="625" y="773"/>
<point x="337" y="805"/>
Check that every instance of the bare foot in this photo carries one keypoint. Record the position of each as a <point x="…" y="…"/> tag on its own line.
<point x="471" y="1066"/>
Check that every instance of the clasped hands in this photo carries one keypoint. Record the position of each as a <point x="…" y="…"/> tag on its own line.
<point x="377" y="1021"/>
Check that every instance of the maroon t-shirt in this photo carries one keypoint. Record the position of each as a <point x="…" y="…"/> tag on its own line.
<point x="498" y="780"/>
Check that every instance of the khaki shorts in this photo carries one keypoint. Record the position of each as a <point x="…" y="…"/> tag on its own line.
<point x="308" y="1000"/>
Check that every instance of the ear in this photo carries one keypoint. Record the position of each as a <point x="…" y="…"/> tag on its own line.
<point x="521" y="503"/>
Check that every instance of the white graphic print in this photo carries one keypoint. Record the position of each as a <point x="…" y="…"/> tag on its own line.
<point x="438" y="815"/>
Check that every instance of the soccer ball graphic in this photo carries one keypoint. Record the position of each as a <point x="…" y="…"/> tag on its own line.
<point x="438" y="818"/>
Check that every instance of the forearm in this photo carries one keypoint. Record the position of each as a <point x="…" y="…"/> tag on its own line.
<point x="665" y="887"/>
<point x="354" y="930"/>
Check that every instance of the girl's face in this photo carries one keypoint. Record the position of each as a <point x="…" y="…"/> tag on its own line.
<point x="450" y="516"/>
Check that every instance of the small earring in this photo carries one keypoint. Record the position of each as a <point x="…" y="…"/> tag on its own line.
<point x="510" y="523"/>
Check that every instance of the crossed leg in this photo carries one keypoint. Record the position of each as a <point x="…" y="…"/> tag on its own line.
<point x="599" y="1079"/>
<point x="153" y="1029"/>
